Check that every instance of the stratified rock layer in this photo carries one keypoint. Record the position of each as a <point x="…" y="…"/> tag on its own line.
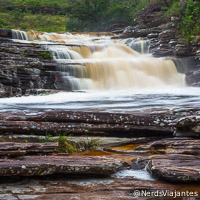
<point x="173" y="160"/>
<point x="48" y="165"/>
<point x="175" y="168"/>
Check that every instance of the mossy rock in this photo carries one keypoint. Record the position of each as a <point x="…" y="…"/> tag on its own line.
<point x="45" y="55"/>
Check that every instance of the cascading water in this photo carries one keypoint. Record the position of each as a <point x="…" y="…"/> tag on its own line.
<point x="139" y="45"/>
<point x="118" y="67"/>
<point x="19" y="35"/>
<point x="113" y="75"/>
<point x="115" y="67"/>
<point x="107" y="65"/>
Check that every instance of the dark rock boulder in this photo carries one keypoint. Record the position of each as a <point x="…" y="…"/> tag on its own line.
<point x="9" y="91"/>
<point x="136" y="31"/>
<point x="187" y="126"/>
<point x="5" y="33"/>
<point x="193" y="78"/>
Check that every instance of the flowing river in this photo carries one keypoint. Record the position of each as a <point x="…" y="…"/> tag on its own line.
<point x="104" y="74"/>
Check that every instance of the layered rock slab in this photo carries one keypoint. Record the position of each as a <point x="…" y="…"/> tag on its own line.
<point x="173" y="146"/>
<point x="87" y="189"/>
<point x="48" y="165"/>
<point x="12" y="149"/>
<point x="174" y="160"/>
<point x="175" y="168"/>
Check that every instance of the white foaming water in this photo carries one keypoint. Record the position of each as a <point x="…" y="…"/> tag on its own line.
<point x="137" y="174"/>
<point x="113" y="101"/>
<point x="113" y="77"/>
<point x="139" y="45"/>
<point x="109" y="66"/>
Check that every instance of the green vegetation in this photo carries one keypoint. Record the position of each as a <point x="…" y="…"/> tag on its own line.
<point x="98" y="15"/>
<point x="67" y="145"/>
<point x="40" y="15"/>
<point x="190" y="22"/>
<point x="93" y="15"/>
<point x="45" y="54"/>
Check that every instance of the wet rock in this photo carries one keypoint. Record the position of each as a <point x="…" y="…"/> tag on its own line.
<point x="48" y="165"/>
<point x="28" y="66"/>
<point x="8" y="91"/>
<point x="40" y="92"/>
<point x="171" y="146"/>
<point x="92" y="123"/>
<point x="166" y="35"/>
<point x="5" y="33"/>
<point x="181" y="50"/>
<point x="11" y="149"/>
<point x="152" y="35"/>
<point x="187" y="126"/>
<point x="61" y="188"/>
<point x="175" y="168"/>
<point x="135" y="32"/>
<point x="193" y="78"/>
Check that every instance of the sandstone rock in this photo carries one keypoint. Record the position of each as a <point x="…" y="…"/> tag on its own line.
<point x="175" y="168"/>
<point x="11" y="149"/>
<point x="92" y="123"/>
<point x="61" y="188"/>
<point x="172" y="146"/>
<point x="48" y="165"/>
<point x="193" y="78"/>
<point x="187" y="126"/>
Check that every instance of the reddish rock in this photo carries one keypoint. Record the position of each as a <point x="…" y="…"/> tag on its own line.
<point x="172" y="146"/>
<point x="11" y="149"/>
<point x="48" y="165"/>
<point x="93" y="123"/>
<point x="175" y="168"/>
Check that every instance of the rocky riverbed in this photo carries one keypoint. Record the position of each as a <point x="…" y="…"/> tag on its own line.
<point x="51" y="153"/>
<point x="119" y="166"/>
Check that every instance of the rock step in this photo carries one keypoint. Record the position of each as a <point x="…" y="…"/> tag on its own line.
<point x="49" y="165"/>
<point x="175" y="168"/>
<point x="173" y="146"/>
<point x="11" y="149"/>
<point x="87" y="189"/>
<point x="93" y="123"/>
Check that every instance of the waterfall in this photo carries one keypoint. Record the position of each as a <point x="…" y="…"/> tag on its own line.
<point x="115" y="67"/>
<point x="19" y="35"/>
<point x="139" y="45"/>
<point x="119" y="67"/>
<point x="98" y="63"/>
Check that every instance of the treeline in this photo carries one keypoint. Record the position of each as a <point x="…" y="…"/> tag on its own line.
<point x="99" y="15"/>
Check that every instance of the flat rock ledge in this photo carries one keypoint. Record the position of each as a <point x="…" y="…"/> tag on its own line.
<point x="175" y="168"/>
<point x="171" y="160"/>
<point x="90" y="123"/>
<point x="69" y="165"/>
<point x="12" y="149"/>
<point x="173" y="146"/>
